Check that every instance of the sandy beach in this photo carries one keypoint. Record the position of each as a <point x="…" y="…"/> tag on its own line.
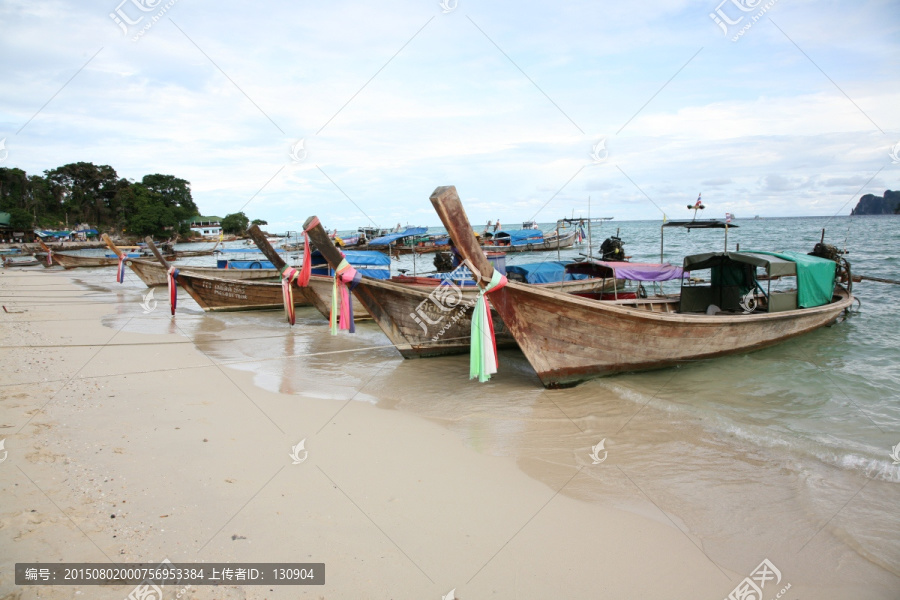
<point x="129" y="440"/>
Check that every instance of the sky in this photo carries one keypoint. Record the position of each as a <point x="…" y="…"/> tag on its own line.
<point x="357" y="111"/>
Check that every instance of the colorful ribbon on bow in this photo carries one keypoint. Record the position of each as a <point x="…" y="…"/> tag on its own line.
<point x="120" y="273"/>
<point x="306" y="267"/>
<point x="49" y="257"/>
<point x="288" y="276"/>
<point x="483" y="355"/>
<point x="345" y="279"/>
<point x="173" y="285"/>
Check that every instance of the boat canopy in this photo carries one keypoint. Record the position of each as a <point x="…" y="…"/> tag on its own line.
<point x="627" y="270"/>
<point x="701" y="224"/>
<point x="815" y="275"/>
<point x="551" y="271"/>
<point x="519" y="237"/>
<point x="370" y="263"/>
<point x="393" y="237"/>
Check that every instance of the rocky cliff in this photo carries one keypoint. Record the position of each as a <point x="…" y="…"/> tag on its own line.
<point x="878" y="205"/>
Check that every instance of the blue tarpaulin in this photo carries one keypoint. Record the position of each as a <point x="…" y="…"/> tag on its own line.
<point x="551" y="271"/>
<point x="370" y="263"/>
<point x="246" y="264"/>
<point x="54" y="234"/>
<point x="519" y="237"/>
<point x="393" y="237"/>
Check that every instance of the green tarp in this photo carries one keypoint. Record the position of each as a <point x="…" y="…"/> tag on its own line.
<point x="815" y="277"/>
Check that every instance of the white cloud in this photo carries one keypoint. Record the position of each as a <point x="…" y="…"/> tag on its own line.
<point x="752" y="123"/>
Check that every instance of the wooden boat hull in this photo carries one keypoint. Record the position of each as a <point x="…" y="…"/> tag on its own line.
<point x="29" y="261"/>
<point x="423" y="318"/>
<point x="152" y="273"/>
<point x="217" y="294"/>
<point x="427" y="249"/>
<point x="566" y="241"/>
<point x="193" y="253"/>
<point x="319" y="295"/>
<point x="72" y="261"/>
<point x="568" y="339"/>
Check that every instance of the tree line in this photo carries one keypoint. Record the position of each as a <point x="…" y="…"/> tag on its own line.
<point x="87" y="193"/>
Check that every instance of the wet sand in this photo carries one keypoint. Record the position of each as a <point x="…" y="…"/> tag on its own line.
<point x="128" y="440"/>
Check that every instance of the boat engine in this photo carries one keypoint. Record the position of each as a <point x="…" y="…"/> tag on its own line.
<point x="443" y="262"/>
<point x="843" y="274"/>
<point x="612" y="249"/>
<point x="827" y="251"/>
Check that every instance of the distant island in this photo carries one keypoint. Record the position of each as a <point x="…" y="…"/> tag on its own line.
<point x="870" y="204"/>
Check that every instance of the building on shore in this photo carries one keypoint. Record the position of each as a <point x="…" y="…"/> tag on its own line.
<point x="207" y="226"/>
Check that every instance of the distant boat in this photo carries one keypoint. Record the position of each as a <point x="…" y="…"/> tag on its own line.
<point x="756" y="217"/>
<point x="527" y="240"/>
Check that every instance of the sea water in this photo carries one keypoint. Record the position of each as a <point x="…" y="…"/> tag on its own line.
<point x="784" y="453"/>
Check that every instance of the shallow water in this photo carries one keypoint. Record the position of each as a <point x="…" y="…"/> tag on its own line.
<point x="783" y="453"/>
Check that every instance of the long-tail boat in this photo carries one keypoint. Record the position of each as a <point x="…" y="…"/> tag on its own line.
<point x="46" y="257"/>
<point x="218" y="294"/>
<point x="419" y="320"/>
<point x="73" y="261"/>
<point x="193" y="253"/>
<point x="423" y="319"/>
<point x="391" y="242"/>
<point x="317" y="291"/>
<point x="528" y="240"/>
<point x="153" y="274"/>
<point x="568" y="339"/>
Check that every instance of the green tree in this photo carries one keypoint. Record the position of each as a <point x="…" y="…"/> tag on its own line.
<point x="259" y="222"/>
<point x="175" y="193"/>
<point x="20" y="218"/>
<point x="85" y="191"/>
<point x="30" y="194"/>
<point x="236" y="223"/>
<point x="146" y="213"/>
<point x="13" y="188"/>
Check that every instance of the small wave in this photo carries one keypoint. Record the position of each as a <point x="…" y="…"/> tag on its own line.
<point x="871" y="467"/>
<point x="826" y="448"/>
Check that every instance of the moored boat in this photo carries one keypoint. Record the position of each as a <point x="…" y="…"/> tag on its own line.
<point x="527" y="240"/>
<point x="72" y="261"/>
<point x="392" y="242"/>
<point x="424" y="316"/>
<point x="568" y="339"/>
<point x="319" y="287"/>
<point x="20" y="261"/>
<point x="153" y="274"/>
<point x="214" y="293"/>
